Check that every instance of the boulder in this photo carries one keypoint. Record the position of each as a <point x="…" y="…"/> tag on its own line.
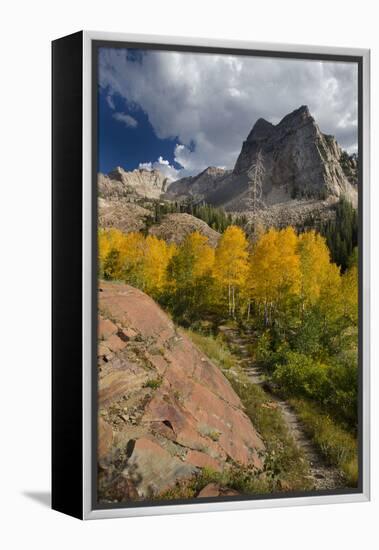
<point x="171" y="411"/>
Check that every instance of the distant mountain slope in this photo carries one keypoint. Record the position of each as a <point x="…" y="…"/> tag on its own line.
<point x="197" y="187"/>
<point x="139" y="183"/>
<point x="175" y="227"/>
<point x="121" y="214"/>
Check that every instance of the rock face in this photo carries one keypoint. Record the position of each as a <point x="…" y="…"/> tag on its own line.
<point x="150" y="184"/>
<point x="122" y="214"/>
<point x="197" y="187"/>
<point x="175" y="227"/>
<point x="299" y="160"/>
<point x="165" y="411"/>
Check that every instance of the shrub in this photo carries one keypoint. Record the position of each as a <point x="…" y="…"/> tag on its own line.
<point x="301" y="375"/>
<point x="338" y="446"/>
<point x="333" y="385"/>
<point x="153" y="384"/>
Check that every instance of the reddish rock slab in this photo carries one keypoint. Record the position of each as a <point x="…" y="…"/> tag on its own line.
<point x="120" y="382"/>
<point x="214" y="490"/>
<point x="184" y="426"/>
<point x="106" y="328"/>
<point x="103" y="350"/>
<point x="210" y="490"/>
<point x="158" y="362"/>
<point x="238" y="438"/>
<point x="211" y="377"/>
<point x="105" y="438"/>
<point x="129" y="333"/>
<point x="114" y="343"/>
<point x="192" y="419"/>
<point x="152" y="469"/>
<point x="202" y="460"/>
<point x="129" y="306"/>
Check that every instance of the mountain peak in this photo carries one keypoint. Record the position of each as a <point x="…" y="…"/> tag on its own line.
<point x="262" y="129"/>
<point x="296" y="117"/>
<point x="299" y="161"/>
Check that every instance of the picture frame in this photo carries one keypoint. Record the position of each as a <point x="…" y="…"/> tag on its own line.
<point x="75" y="156"/>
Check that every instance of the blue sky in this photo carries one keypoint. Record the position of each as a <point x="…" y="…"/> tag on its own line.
<point x="121" y="144"/>
<point x="180" y="112"/>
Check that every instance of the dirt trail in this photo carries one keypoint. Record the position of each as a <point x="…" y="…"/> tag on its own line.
<point x="323" y="475"/>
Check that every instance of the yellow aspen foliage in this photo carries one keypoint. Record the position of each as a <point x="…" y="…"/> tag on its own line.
<point x="314" y="262"/>
<point x="194" y="258"/>
<point x="330" y="302"/>
<point x="154" y="264"/>
<point x="137" y="260"/>
<point x="203" y="255"/>
<point x="103" y="246"/>
<point x="231" y="265"/>
<point x="110" y="243"/>
<point x="132" y="252"/>
<point x="349" y="295"/>
<point x="274" y="271"/>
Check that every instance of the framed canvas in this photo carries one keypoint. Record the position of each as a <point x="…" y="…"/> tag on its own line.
<point x="210" y="275"/>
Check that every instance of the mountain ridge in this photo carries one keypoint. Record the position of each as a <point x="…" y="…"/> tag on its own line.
<point x="298" y="162"/>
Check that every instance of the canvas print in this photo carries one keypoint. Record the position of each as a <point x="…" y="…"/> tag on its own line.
<point x="227" y="238"/>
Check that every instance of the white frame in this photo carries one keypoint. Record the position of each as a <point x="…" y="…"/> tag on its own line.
<point x="88" y="512"/>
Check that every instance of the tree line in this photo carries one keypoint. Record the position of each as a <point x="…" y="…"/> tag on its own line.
<point x="278" y="277"/>
<point x="214" y="216"/>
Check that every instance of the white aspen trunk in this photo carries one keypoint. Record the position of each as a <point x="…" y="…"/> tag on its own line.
<point x="234" y="304"/>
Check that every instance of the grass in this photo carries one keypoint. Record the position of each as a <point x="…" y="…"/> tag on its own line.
<point x="338" y="446"/>
<point x="153" y="384"/>
<point x="242" y="479"/>
<point x="284" y="461"/>
<point x="214" y="348"/>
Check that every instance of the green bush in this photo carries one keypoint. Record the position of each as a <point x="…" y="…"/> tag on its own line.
<point x="333" y="385"/>
<point x="301" y="375"/>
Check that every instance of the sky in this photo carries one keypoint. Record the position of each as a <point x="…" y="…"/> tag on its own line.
<point x="180" y="112"/>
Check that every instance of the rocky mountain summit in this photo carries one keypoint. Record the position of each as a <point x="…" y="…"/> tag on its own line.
<point x="298" y="159"/>
<point x="165" y="410"/>
<point x="150" y="184"/>
<point x="298" y="162"/>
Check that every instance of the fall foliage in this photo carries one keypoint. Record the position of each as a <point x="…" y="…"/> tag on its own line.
<point x="281" y="277"/>
<point x="300" y="307"/>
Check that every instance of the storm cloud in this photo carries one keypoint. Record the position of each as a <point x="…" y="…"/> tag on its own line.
<point x="209" y="103"/>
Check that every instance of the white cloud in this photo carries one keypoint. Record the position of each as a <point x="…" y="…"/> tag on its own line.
<point x="163" y="166"/>
<point x="128" y="120"/>
<point x="111" y="102"/>
<point x="209" y="103"/>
